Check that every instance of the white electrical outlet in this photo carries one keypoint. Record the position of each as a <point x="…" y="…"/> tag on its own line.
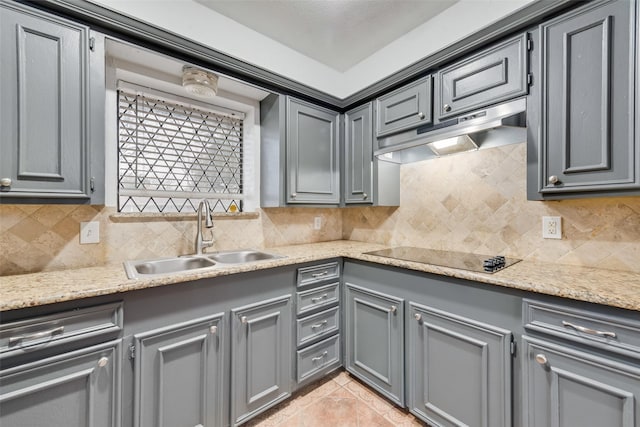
<point x="89" y="232"/>
<point x="552" y="227"/>
<point x="317" y="223"/>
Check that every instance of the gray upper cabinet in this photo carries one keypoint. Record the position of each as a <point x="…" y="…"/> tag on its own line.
<point x="178" y="374"/>
<point x="583" y="133"/>
<point x="459" y="369"/>
<point x="358" y="155"/>
<point x="566" y="387"/>
<point x="75" y="389"/>
<point x="46" y="107"/>
<point x="404" y="108"/>
<point x="261" y="352"/>
<point x="491" y="76"/>
<point x="374" y="341"/>
<point x="313" y="164"/>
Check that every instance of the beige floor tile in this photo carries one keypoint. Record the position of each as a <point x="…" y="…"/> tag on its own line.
<point x="328" y="412"/>
<point x="342" y="378"/>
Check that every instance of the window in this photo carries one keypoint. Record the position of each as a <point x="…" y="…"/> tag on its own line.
<point x="171" y="154"/>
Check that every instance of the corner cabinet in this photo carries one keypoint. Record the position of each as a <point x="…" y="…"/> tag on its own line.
<point x="261" y="357"/>
<point x="582" y="115"/>
<point x="51" y="108"/>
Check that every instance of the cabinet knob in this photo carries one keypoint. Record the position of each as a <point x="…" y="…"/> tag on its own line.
<point x="244" y="320"/>
<point x="417" y="316"/>
<point x="103" y="362"/>
<point x="294" y="195"/>
<point x="446" y="107"/>
<point x="542" y="359"/>
<point x="421" y="115"/>
<point x="553" y="179"/>
<point x="213" y="330"/>
<point x="5" y="182"/>
<point x="393" y="309"/>
<point x="365" y="196"/>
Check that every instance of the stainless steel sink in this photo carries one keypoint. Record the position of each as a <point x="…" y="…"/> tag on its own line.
<point x="138" y="269"/>
<point x="241" y="256"/>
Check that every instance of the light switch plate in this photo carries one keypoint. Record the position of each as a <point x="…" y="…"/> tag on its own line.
<point x="552" y="227"/>
<point x="89" y="232"/>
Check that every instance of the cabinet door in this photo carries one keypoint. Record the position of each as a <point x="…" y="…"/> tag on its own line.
<point x="261" y="357"/>
<point x="76" y="389"/>
<point x="404" y="108"/>
<point x="178" y="374"/>
<point x="459" y="370"/>
<point x="313" y="167"/>
<point x="565" y="387"/>
<point x="358" y="156"/>
<point x="43" y="105"/>
<point x="586" y="102"/>
<point x="374" y="340"/>
<point x="492" y="76"/>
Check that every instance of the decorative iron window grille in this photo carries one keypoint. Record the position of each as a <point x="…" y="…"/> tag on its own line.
<point x="171" y="155"/>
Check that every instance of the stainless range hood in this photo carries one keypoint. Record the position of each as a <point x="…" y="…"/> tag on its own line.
<point x="499" y="125"/>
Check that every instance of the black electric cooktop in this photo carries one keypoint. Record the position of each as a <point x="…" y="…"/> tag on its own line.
<point x="460" y="260"/>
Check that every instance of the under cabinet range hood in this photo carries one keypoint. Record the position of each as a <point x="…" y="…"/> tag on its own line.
<point x="491" y="127"/>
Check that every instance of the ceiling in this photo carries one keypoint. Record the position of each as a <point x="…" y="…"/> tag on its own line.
<point x="337" y="33"/>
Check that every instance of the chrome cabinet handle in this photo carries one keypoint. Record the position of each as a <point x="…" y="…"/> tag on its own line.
<point x="49" y="333"/>
<point x="542" y="359"/>
<point x="421" y="115"/>
<point x="316" y="275"/>
<point x="365" y="196"/>
<point x="213" y="330"/>
<point x="103" y="362"/>
<point x="5" y="182"/>
<point x="294" y="195"/>
<point x="320" y="298"/>
<point x="589" y="330"/>
<point x="393" y="309"/>
<point x="244" y="320"/>
<point x="553" y="179"/>
<point x="319" y="325"/>
<point x="446" y="107"/>
<point x="417" y="316"/>
<point x="322" y="356"/>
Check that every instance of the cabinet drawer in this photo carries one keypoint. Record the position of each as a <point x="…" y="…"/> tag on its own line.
<point x="404" y="108"/>
<point x="317" y="297"/>
<point x="318" y="273"/>
<point x="60" y="328"/>
<point x="611" y="333"/>
<point x="318" y="325"/>
<point x="318" y="358"/>
<point x="494" y="75"/>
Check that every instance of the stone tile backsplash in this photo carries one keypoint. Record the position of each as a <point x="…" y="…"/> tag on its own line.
<point x="473" y="202"/>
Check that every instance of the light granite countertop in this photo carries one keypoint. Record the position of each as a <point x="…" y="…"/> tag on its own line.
<point x="608" y="287"/>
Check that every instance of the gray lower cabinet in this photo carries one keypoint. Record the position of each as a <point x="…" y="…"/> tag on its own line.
<point x="567" y="387"/>
<point x="313" y="163"/>
<point x="50" y="146"/>
<point x="261" y="357"/>
<point x="75" y="389"/>
<point x="459" y="371"/>
<point x="358" y="155"/>
<point x="405" y="108"/>
<point x="374" y="340"/>
<point x="581" y="126"/>
<point x="178" y="374"/>
<point x="494" y="75"/>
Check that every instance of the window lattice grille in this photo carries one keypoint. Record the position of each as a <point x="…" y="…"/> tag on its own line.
<point x="172" y="155"/>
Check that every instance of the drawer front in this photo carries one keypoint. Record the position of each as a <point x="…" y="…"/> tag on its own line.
<point x="606" y="332"/>
<point x="492" y="76"/>
<point x="318" y="325"/>
<point x="405" y="108"/>
<point x="60" y="328"/>
<point x="317" y="297"/>
<point x="318" y="358"/>
<point x="318" y="273"/>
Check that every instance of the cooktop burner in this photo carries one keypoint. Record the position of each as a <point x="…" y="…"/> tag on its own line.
<point x="460" y="260"/>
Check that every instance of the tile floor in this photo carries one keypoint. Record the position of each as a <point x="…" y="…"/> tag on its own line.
<point x="338" y="400"/>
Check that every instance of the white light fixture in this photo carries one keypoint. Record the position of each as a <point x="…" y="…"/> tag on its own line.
<point x="453" y="145"/>
<point x="199" y="82"/>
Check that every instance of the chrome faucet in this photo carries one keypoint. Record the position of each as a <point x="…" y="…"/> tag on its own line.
<point x="200" y="242"/>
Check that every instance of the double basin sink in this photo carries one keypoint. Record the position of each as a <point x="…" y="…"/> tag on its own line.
<point x="139" y="269"/>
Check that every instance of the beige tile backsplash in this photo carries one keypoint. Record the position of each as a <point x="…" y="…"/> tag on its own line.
<point x="472" y="202"/>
